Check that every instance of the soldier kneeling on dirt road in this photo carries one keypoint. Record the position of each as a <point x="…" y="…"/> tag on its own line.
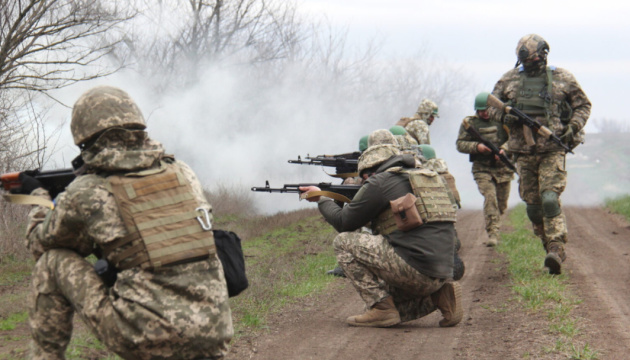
<point x="401" y="269"/>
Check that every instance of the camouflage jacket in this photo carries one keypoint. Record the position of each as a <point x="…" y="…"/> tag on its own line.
<point x="428" y="248"/>
<point x="419" y="130"/>
<point x="86" y="217"/>
<point x="492" y="131"/>
<point x="564" y="88"/>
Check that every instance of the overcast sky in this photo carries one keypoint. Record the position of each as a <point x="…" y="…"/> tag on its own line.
<point x="589" y="38"/>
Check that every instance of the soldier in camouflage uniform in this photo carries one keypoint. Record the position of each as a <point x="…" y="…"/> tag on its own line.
<point x="492" y="176"/>
<point x="418" y="124"/>
<point x="166" y="302"/>
<point x="553" y="97"/>
<point x="400" y="275"/>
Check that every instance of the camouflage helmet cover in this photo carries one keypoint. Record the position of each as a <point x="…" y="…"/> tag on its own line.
<point x="530" y="46"/>
<point x="376" y="155"/>
<point x="427" y="108"/>
<point x="101" y="108"/>
<point x="381" y="136"/>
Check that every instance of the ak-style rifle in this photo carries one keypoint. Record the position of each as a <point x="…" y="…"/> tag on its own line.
<point x="495" y="150"/>
<point x="343" y="193"/>
<point x="533" y="124"/>
<point x="346" y="165"/>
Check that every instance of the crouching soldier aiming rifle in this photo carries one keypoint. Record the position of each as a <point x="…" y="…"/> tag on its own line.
<point x="401" y="269"/>
<point x="147" y="215"/>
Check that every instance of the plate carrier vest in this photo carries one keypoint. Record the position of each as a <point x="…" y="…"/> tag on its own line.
<point x="434" y="201"/>
<point x="161" y="213"/>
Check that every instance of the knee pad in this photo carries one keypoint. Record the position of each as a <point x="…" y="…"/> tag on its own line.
<point x="550" y="204"/>
<point x="535" y="213"/>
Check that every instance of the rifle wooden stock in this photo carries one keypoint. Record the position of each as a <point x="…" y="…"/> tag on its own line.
<point x="529" y="125"/>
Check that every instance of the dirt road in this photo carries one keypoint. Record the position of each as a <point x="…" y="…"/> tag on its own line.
<point x="494" y="327"/>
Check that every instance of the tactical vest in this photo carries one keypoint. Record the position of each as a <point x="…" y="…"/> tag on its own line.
<point x="433" y="200"/>
<point x="535" y="98"/>
<point x="161" y="215"/>
<point x="492" y="131"/>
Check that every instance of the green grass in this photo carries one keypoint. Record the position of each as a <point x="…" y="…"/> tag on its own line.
<point x="619" y="205"/>
<point x="285" y="264"/>
<point x="13" y="320"/>
<point x="536" y="290"/>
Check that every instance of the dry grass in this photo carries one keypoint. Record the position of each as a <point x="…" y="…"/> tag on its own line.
<point x="12" y="228"/>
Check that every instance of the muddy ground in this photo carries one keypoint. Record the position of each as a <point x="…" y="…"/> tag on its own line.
<point x="494" y="326"/>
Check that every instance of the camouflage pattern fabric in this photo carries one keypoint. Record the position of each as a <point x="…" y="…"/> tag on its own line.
<point x="419" y="130"/>
<point x="381" y="137"/>
<point x="564" y="88"/>
<point x="376" y="272"/>
<point x="176" y="312"/>
<point x="493" y="178"/>
<point x="495" y="195"/>
<point x="539" y="173"/>
<point x="101" y="108"/>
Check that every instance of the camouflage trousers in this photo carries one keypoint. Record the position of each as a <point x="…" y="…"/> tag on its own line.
<point x="64" y="283"/>
<point x="539" y="173"/>
<point x="495" y="195"/>
<point x="377" y="272"/>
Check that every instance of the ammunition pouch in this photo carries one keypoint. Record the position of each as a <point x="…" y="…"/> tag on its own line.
<point x="432" y="202"/>
<point x="406" y="213"/>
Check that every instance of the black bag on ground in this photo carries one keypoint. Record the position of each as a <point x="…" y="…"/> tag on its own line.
<point x="230" y="253"/>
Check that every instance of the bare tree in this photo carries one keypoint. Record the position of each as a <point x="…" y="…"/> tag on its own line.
<point x="48" y="44"/>
<point x="185" y="35"/>
<point x="611" y="126"/>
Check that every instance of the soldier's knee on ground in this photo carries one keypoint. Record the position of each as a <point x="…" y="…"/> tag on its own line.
<point x="550" y="204"/>
<point x="535" y="213"/>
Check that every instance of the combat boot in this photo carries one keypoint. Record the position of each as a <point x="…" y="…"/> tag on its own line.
<point x="493" y="240"/>
<point x="382" y="314"/>
<point x="449" y="300"/>
<point x="555" y="257"/>
<point x="458" y="267"/>
<point x="338" y="271"/>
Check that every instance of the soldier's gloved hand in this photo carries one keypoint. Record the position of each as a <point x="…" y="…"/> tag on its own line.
<point x="511" y="120"/>
<point x="567" y="136"/>
<point x="29" y="183"/>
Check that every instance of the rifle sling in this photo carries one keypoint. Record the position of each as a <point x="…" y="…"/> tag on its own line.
<point x="330" y="194"/>
<point x="28" y="200"/>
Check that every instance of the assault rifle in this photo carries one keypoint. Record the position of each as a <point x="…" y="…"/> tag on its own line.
<point x="495" y="150"/>
<point x="343" y="193"/>
<point x="534" y="125"/>
<point x="55" y="181"/>
<point x="345" y="165"/>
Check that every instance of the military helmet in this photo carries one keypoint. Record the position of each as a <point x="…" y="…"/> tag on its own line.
<point x="397" y="130"/>
<point x="427" y="151"/>
<point x="530" y="46"/>
<point x="381" y="136"/>
<point x="427" y="108"/>
<point x="363" y="143"/>
<point x="101" y="108"/>
<point x="481" y="101"/>
<point x="376" y="155"/>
